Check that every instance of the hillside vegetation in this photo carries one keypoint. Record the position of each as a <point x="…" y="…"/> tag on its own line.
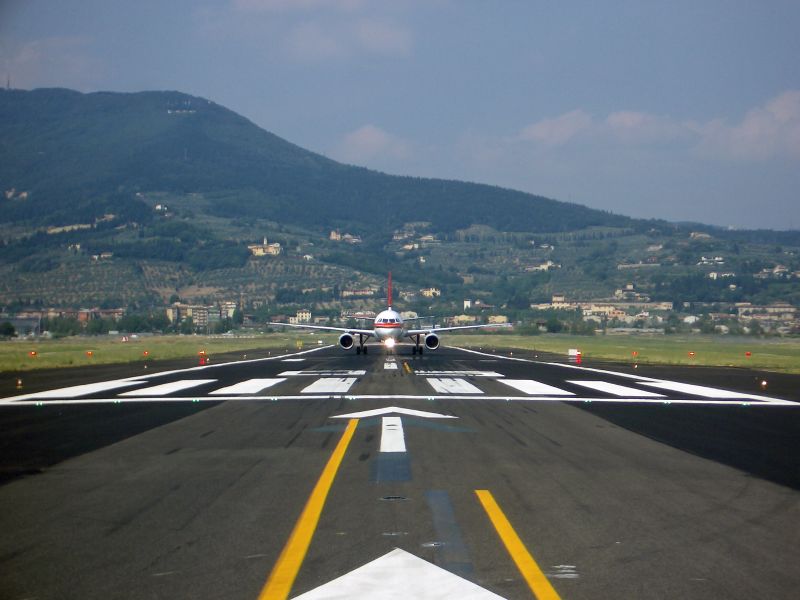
<point x="132" y="199"/>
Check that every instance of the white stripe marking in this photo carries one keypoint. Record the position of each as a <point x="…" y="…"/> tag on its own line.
<point x="80" y="390"/>
<point x="533" y="388"/>
<point x="329" y="385"/>
<point x="390" y="366"/>
<point x="467" y="373"/>
<point x="392" y="438"/>
<point x="323" y="373"/>
<point x="399" y="574"/>
<point x="251" y="386"/>
<point x="168" y="388"/>
<point x="699" y="390"/>
<point x="616" y="390"/>
<point x="293" y="360"/>
<point x="447" y="385"/>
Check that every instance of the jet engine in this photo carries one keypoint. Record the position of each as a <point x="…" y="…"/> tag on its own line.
<point x="346" y="341"/>
<point x="431" y="341"/>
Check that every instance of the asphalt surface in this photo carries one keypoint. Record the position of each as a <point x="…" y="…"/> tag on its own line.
<point x="621" y="483"/>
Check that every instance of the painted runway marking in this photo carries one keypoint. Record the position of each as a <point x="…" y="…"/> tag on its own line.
<point x="293" y="360"/>
<point x="462" y="373"/>
<point x="537" y="581"/>
<point x="251" y="386"/>
<point x="392" y="437"/>
<point x="448" y="385"/>
<point x="390" y="366"/>
<point x="399" y="574"/>
<point x="329" y="385"/>
<point x="324" y="373"/>
<point x="80" y="390"/>
<point x="283" y="574"/>
<point x="393" y="409"/>
<point x="168" y="388"/>
<point x="531" y="387"/>
<point x="615" y="390"/>
<point x="699" y="390"/>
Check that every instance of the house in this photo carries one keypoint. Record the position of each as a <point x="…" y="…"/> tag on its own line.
<point x="265" y="249"/>
<point x="431" y="292"/>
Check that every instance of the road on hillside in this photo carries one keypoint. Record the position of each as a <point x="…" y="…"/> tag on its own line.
<point x="323" y="473"/>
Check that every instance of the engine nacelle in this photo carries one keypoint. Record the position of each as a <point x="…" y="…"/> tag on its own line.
<point x="431" y="341"/>
<point x="346" y="341"/>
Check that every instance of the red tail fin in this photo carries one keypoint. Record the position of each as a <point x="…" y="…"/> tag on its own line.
<point x="390" y="289"/>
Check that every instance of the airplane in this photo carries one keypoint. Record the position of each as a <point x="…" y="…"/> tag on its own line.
<point x="389" y="328"/>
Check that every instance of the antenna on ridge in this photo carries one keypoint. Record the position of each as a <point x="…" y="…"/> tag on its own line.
<point x="390" y="290"/>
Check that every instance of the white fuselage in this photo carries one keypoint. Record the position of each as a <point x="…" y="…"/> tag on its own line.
<point x="389" y="325"/>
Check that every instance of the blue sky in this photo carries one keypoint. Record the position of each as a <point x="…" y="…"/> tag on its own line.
<point x="678" y="110"/>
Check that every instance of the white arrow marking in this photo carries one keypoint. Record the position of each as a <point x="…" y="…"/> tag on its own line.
<point x="399" y="575"/>
<point x="393" y="410"/>
<point x="392" y="437"/>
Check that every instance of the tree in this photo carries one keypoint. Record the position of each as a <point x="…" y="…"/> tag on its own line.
<point x="7" y="329"/>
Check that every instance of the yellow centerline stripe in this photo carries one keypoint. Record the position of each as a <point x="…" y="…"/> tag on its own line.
<point x="537" y="581"/>
<point x="280" y="581"/>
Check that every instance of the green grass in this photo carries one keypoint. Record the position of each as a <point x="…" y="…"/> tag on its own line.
<point x="767" y="354"/>
<point x="72" y="352"/>
<point x="780" y="354"/>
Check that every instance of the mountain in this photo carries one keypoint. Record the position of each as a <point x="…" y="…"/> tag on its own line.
<point x="86" y="152"/>
<point x="111" y="199"/>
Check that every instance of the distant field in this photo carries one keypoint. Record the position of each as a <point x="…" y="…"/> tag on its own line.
<point x="15" y="355"/>
<point x="768" y="354"/>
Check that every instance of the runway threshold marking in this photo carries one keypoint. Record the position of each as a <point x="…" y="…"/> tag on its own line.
<point x="537" y="581"/>
<point x="283" y="574"/>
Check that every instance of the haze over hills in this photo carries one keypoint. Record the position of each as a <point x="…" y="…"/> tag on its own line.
<point x="132" y="199"/>
<point x="63" y="145"/>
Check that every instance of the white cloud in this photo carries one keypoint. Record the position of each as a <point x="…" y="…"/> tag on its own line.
<point x="766" y="132"/>
<point x="336" y="39"/>
<point x="296" y="5"/>
<point x="369" y="143"/>
<point x="382" y="37"/>
<point x="55" y="61"/>
<point x="639" y="127"/>
<point x="558" y="130"/>
<point x="313" y="42"/>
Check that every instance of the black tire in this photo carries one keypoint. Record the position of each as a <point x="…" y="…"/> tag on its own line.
<point x="358" y="349"/>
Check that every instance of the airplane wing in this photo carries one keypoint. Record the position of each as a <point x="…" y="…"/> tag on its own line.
<point x="364" y="332"/>
<point x="441" y="329"/>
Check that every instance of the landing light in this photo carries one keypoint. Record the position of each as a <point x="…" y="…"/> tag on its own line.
<point x="389" y="343"/>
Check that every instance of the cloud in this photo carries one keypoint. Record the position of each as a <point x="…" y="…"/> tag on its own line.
<point x="559" y="130"/>
<point x="332" y="39"/>
<point x="382" y="37"/>
<point x="765" y="132"/>
<point x="296" y="5"/>
<point x="639" y="127"/>
<point x="369" y="143"/>
<point x="55" y="61"/>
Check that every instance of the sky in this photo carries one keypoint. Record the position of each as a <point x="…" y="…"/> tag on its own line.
<point x="679" y="110"/>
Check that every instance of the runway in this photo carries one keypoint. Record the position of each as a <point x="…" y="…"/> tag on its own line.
<point x="466" y="473"/>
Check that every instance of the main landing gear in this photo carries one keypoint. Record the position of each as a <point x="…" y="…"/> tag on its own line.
<point x="361" y="346"/>
<point x="417" y="349"/>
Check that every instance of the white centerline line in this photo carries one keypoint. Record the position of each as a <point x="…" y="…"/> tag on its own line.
<point x="392" y="437"/>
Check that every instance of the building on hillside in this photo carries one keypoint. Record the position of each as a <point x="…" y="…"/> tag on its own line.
<point x="497" y="319"/>
<point x="265" y="248"/>
<point x="431" y="292"/>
